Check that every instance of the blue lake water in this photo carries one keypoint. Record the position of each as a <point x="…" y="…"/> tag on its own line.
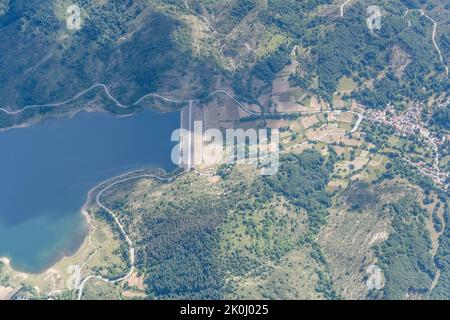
<point x="46" y="171"/>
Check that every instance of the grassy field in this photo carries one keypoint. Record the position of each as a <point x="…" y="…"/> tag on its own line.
<point x="346" y="84"/>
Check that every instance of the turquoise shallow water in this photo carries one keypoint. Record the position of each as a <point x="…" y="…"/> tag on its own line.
<point x="47" y="169"/>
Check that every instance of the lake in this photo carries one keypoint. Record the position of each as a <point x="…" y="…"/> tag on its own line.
<point x="46" y="171"/>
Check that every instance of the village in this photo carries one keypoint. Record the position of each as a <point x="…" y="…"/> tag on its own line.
<point x="409" y="124"/>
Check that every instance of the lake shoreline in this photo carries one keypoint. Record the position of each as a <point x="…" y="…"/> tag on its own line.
<point x="90" y="203"/>
<point x="87" y="216"/>
<point x="154" y="107"/>
<point x="130" y="152"/>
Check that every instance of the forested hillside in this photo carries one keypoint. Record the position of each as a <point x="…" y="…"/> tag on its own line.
<point x="198" y="244"/>
<point x="186" y="49"/>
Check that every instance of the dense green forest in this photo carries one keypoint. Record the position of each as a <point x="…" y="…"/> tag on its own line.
<point x="44" y="62"/>
<point x="441" y="118"/>
<point x="442" y="259"/>
<point x="344" y="46"/>
<point x="405" y="257"/>
<point x="136" y="47"/>
<point x="188" y="239"/>
<point x="303" y="180"/>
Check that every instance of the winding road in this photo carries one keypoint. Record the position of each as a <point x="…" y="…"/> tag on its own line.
<point x="81" y="93"/>
<point x="433" y="35"/>
<point x="342" y="7"/>
<point x="190" y="101"/>
<point x="80" y="286"/>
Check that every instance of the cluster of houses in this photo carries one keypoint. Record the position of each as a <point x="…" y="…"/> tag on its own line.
<point x="410" y="123"/>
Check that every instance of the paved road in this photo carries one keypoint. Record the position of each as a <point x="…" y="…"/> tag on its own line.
<point x="122" y="230"/>
<point x="342" y="7"/>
